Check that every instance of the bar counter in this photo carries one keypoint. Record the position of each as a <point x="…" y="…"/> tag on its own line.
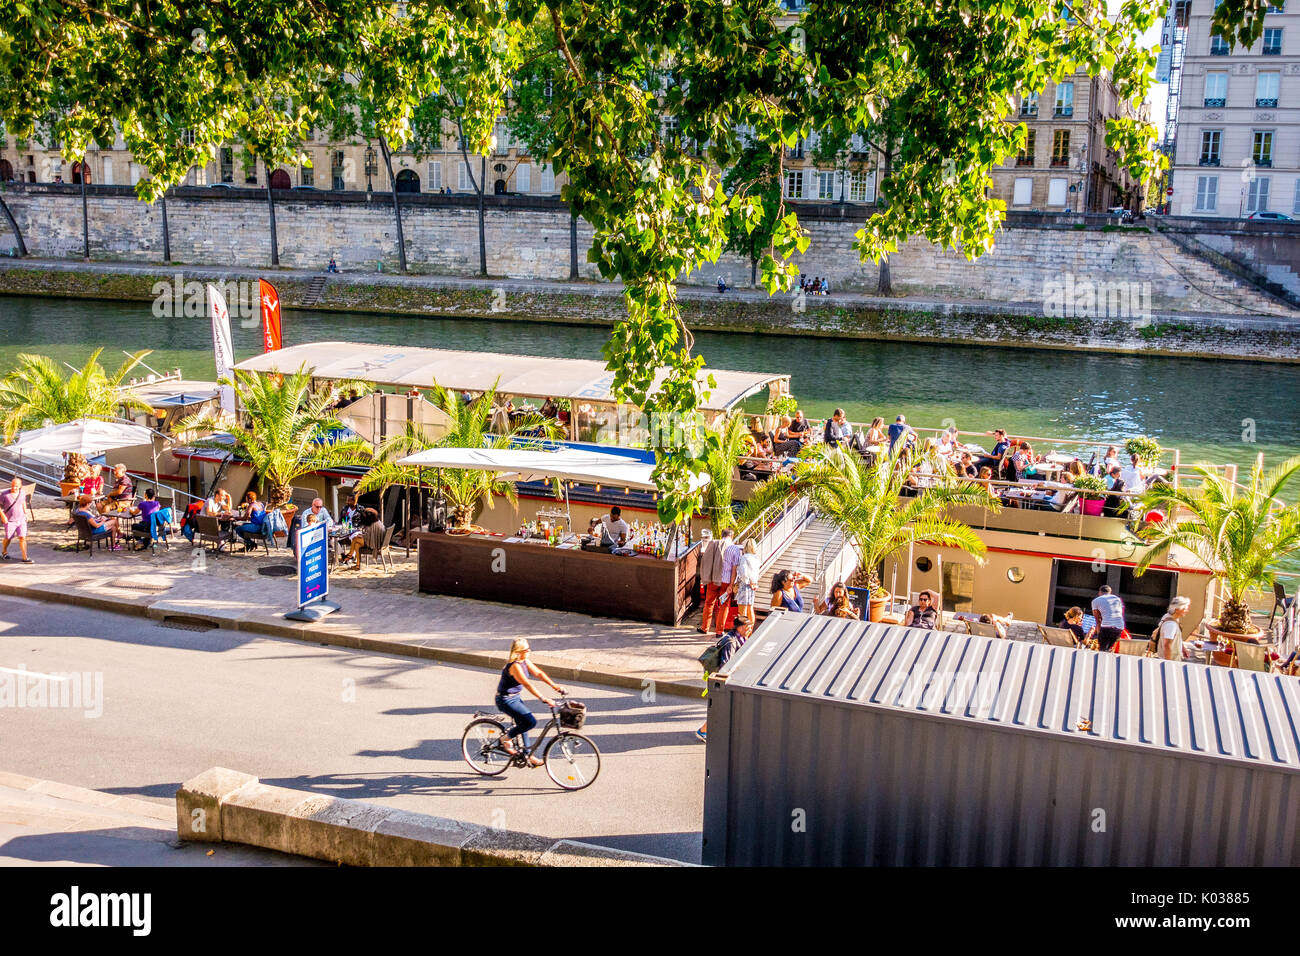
<point x="490" y="568"/>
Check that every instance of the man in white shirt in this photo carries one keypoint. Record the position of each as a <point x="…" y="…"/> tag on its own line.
<point x="1131" y="475"/>
<point x="1108" y="609"/>
<point x="1169" y="633"/>
<point x="615" y="526"/>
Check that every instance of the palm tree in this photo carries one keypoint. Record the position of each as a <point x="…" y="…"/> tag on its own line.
<point x="469" y="426"/>
<point x="38" y="393"/>
<point x="866" y="502"/>
<point x="720" y="464"/>
<point x="287" y="435"/>
<point x="1239" y="536"/>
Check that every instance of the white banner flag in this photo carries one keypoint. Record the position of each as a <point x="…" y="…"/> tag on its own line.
<point x="224" y="351"/>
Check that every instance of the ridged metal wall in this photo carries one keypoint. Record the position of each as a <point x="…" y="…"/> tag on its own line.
<point x="836" y="742"/>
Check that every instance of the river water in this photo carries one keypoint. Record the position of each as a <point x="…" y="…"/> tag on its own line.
<point x="1221" y="411"/>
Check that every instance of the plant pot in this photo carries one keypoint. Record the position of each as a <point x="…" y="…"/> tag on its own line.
<point x="876" y="608"/>
<point x="68" y="487"/>
<point x="1093" y="506"/>
<point x="1219" y="634"/>
<point x="1222" y="658"/>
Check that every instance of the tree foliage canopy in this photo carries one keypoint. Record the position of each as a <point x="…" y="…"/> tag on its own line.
<point x="719" y="73"/>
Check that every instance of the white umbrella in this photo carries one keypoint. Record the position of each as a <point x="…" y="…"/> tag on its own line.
<point x="86" y="436"/>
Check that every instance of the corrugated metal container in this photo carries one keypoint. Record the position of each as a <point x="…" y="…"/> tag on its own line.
<point x="835" y="742"/>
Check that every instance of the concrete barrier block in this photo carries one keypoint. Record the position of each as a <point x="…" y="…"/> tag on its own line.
<point x="258" y="815"/>
<point x="492" y="847"/>
<point x="573" y="853"/>
<point x="414" y="839"/>
<point x="199" y="801"/>
<point x="329" y="828"/>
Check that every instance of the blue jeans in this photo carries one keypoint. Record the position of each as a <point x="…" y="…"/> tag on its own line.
<point x="250" y="531"/>
<point x="524" y="720"/>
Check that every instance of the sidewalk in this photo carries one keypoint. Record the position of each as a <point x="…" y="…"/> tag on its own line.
<point x="43" y="823"/>
<point x="381" y="611"/>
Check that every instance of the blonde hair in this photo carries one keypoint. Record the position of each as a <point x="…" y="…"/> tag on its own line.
<point x="750" y="547"/>
<point x="518" y="648"/>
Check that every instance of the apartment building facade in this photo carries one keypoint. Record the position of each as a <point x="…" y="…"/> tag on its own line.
<point x="1066" y="165"/>
<point x="1237" y="151"/>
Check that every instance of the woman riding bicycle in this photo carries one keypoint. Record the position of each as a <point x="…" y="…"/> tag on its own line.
<point x="514" y="679"/>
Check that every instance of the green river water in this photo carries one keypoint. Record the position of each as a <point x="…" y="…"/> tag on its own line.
<point x="1204" y="407"/>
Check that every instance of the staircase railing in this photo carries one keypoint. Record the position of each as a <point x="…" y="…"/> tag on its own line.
<point x="775" y="526"/>
<point x="835" y="561"/>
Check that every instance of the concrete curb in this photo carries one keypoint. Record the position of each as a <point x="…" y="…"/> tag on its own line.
<point x="161" y="610"/>
<point x="82" y="795"/>
<point x="226" y="806"/>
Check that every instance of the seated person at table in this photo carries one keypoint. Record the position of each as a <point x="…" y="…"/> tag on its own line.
<point x="876" y="434"/>
<point x="787" y="442"/>
<point x="616" y="530"/>
<point x="994" y="458"/>
<point x="965" y="468"/>
<point x="222" y="502"/>
<point x="145" y="510"/>
<point x="1074" y="624"/>
<point x="370" y="534"/>
<point x="985" y="478"/>
<point x="550" y="409"/>
<point x="837" y="429"/>
<point x="1111" y="460"/>
<point x="254" y="520"/>
<point x="349" y="512"/>
<point x="1133" y="476"/>
<point x="316" y="513"/>
<point x="999" y="624"/>
<point x="99" y="525"/>
<point x="756" y="430"/>
<point x="123" y="487"/>
<point x="800" y="429"/>
<point x="93" y="483"/>
<point x="946" y="443"/>
<point x="900" y="432"/>
<point x="838" y="604"/>
<point x="763" y="458"/>
<point x="923" y="614"/>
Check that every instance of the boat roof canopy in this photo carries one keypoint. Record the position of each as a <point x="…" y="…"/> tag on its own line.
<point x="519" y="464"/>
<point x="523" y="375"/>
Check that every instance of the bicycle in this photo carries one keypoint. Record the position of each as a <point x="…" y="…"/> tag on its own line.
<point x="571" y="759"/>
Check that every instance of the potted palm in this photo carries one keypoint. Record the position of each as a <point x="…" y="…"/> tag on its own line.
<point x="1146" y="448"/>
<point x="38" y="393"/>
<point x="1240" y="535"/>
<point x="1092" y="493"/>
<point x="866" y="502"/>
<point x="466" y="492"/>
<point x="289" y="432"/>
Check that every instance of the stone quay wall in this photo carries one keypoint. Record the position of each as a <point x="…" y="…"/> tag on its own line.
<point x="530" y="239"/>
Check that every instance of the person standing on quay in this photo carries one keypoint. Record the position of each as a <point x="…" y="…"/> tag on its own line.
<point x="13" y="518"/>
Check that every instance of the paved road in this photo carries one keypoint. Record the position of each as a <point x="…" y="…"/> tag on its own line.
<point x="329" y="720"/>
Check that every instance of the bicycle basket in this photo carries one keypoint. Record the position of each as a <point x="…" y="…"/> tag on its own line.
<point x="573" y="714"/>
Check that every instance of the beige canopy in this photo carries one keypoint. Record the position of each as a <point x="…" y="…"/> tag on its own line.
<point x="520" y="375"/>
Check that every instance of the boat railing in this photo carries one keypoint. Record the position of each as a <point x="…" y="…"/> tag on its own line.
<point x="835" y="561"/>
<point x="775" y="526"/>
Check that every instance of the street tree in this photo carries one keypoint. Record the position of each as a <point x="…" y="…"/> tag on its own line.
<point x="950" y="73"/>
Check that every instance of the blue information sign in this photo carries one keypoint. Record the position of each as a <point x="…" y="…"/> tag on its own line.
<point x="313" y="571"/>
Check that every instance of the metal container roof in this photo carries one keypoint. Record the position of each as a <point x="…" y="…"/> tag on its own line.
<point x="1219" y="713"/>
<point x="527" y="375"/>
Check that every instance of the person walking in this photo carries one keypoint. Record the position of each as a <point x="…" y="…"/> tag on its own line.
<point x="1108" y="609"/>
<point x="731" y="557"/>
<point x="728" y="644"/>
<point x="715" y="588"/>
<point x="13" y="519"/>
<point x="514" y="680"/>
<point x="1169" y="632"/>
<point x="744" y="583"/>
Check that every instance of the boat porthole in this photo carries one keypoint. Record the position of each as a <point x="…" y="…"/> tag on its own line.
<point x="1015" y="575"/>
<point x="923" y="564"/>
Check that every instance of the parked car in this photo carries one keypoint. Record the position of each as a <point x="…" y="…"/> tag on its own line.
<point x="1121" y="214"/>
<point x="307" y="188"/>
<point x="222" y="186"/>
<point x="1271" y="216"/>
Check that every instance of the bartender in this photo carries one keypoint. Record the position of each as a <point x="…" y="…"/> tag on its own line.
<point x="616" y="529"/>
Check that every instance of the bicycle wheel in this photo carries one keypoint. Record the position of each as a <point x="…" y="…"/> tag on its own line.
<point x="572" y="761"/>
<point x="481" y="747"/>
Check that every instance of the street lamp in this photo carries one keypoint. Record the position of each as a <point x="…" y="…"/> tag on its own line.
<point x="371" y="168"/>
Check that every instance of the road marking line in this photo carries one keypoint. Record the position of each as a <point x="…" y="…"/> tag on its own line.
<point x="10" y="670"/>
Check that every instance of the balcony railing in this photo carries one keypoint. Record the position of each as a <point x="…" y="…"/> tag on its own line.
<point x="1263" y="161"/>
<point x="1065" y="111"/>
<point x="1029" y="111"/>
<point x="1272" y="50"/>
<point x="1211" y="102"/>
<point x="1060" y="163"/>
<point x="1209" y="160"/>
<point x="1272" y="103"/>
<point x="1024" y="160"/>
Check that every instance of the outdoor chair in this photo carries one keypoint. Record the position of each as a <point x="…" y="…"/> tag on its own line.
<point x="1057" y="636"/>
<point x="980" y="629"/>
<point x="159" y="531"/>
<point x="1252" y="657"/>
<point x="385" y="559"/>
<point x="1280" y="600"/>
<point x="1134" y="647"/>
<point x="210" y="532"/>
<point x="87" y="534"/>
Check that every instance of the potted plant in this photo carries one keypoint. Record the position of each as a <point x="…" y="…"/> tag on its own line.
<point x="1092" y="493"/>
<point x="866" y="503"/>
<point x="1146" y="448"/>
<point x="1241" y="535"/>
<point x="778" y="406"/>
